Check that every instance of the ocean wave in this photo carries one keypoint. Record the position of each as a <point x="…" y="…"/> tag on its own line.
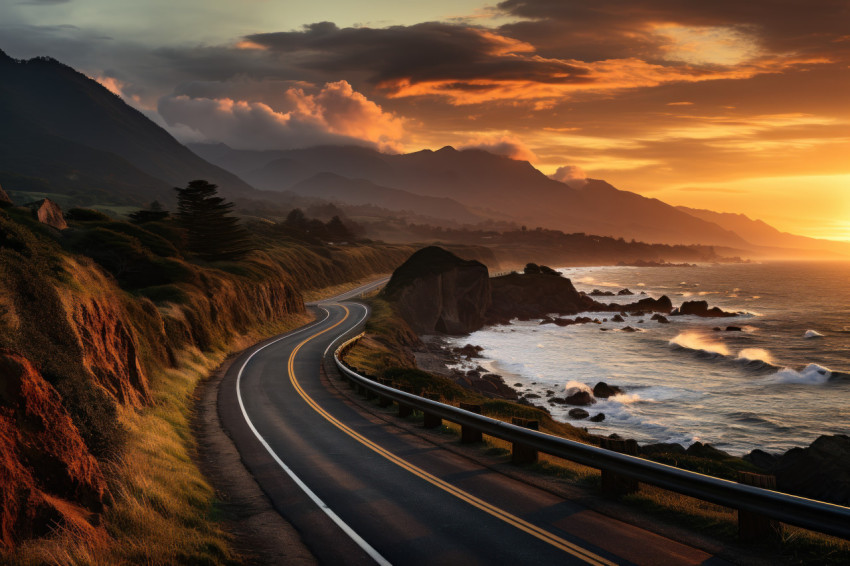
<point x="699" y="343"/>
<point x="628" y="398"/>
<point x="812" y="334"/>
<point x="812" y="374"/>
<point x="573" y="387"/>
<point x="749" y="355"/>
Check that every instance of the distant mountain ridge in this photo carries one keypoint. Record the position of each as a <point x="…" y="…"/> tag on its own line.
<point x="486" y="184"/>
<point x="64" y="132"/>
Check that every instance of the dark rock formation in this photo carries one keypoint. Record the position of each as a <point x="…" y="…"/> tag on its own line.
<point x="821" y="471"/>
<point x="534" y="296"/>
<point x="662" y="448"/>
<point x="706" y="451"/>
<point x="700" y="308"/>
<point x="734" y="329"/>
<point x="580" y="398"/>
<point x="578" y="414"/>
<point x="598" y="293"/>
<point x="617" y="318"/>
<point x="660" y="318"/>
<point x="623" y="292"/>
<point x="598" y="418"/>
<point x="557" y="401"/>
<point x="469" y="351"/>
<point x="602" y="390"/>
<point x="4" y="199"/>
<point x="48" y="212"/>
<point x="762" y="459"/>
<point x="436" y="291"/>
<point x="662" y="304"/>
<point x="630" y="329"/>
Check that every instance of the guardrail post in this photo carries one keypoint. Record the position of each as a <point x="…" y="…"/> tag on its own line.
<point x="384" y="401"/>
<point x="404" y="410"/>
<point x="520" y="453"/>
<point x="431" y="420"/>
<point x="615" y="484"/>
<point x="369" y="393"/>
<point x="468" y="434"/>
<point x="753" y="527"/>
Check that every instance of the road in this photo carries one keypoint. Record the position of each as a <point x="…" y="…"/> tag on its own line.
<point x="363" y="491"/>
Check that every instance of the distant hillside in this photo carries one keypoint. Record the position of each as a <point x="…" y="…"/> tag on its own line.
<point x="63" y="132"/>
<point x="760" y="233"/>
<point x="335" y="188"/>
<point x="486" y="184"/>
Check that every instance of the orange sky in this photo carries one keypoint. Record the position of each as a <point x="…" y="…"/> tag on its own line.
<point x="727" y="105"/>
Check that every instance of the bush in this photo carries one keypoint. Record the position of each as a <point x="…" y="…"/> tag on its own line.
<point x="86" y="215"/>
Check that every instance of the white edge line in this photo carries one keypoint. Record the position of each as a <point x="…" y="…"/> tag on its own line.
<point x="315" y="498"/>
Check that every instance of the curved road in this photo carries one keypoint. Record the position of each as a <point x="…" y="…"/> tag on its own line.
<point x="361" y="491"/>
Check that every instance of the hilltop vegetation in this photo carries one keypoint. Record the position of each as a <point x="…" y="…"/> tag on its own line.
<point x="105" y="328"/>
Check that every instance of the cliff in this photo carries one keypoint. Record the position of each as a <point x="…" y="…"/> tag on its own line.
<point x="436" y="291"/>
<point x="534" y="295"/>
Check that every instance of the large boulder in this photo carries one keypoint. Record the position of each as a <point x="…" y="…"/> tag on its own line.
<point x="436" y="291"/>
<point x="534" y="295"/>
<point x="700" y="308"/>
<point x="48" y="212"/>
<point x="821" y="471"/>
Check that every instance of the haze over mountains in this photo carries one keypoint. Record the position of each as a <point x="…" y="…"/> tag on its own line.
<point x="63" y="133"/>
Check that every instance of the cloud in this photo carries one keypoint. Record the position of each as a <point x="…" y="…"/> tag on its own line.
<point x="508" y="146"/>
<point x="570" y="174"/>
<point x="336" y="114"/>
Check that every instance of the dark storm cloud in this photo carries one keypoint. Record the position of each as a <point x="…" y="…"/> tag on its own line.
<point x="432" y="51"/>
<point x="616" y="26"/>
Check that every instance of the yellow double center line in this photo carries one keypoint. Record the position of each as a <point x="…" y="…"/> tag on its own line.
<point x="521" y="524"/>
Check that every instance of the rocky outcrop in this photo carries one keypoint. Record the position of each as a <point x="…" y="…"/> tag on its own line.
<point x="48" y="212"/>
<point x="602" y="390"/>
<point x="662" y="304"/>
<point x="821" y="471"/>
<point x="436" y="291"/>
<point x="44" y="462"/>
<point x="700" y="308"/>
<point x="534" y="295"/>
<point x="4" y="199"/>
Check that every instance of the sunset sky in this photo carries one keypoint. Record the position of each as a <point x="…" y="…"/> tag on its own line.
<point x="728" y="105"/>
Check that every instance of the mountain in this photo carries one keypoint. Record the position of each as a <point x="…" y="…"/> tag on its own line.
<point x="335" y="188"/>
<point x="63" y="132"/>
<point x="761" y="234"/>
<point x="486" y="184"/>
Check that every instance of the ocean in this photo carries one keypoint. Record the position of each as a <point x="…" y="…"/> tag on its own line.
<point x="781" y="382"/>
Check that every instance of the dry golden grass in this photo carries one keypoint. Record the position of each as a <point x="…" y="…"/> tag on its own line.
<point x="164" y="511"/>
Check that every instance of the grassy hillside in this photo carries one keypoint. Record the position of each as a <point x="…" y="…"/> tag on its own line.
<point x="108" y="326"/>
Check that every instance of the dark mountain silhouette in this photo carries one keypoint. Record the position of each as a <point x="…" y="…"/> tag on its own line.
<point x="487" y="184"/>
<point x="64" y="132"/>
<point x="335" y="188"/>
<point x="760" y="233"/>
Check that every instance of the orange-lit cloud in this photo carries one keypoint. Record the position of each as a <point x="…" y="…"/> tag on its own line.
<point x="509" y="146"/>
<point x="336" y="114"/>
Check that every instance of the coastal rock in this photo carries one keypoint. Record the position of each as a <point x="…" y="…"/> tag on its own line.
<point x="821" y="471"/>
<point x="660" y="318"/>
<point x="762" y="459"/>
<point x="578" y="414"/>
<point x="580" y="398"/>
<point x="706" y="451"/>
<point x="436" y="291"/>
<point x="617" y="318"/>
<point x="630" y="329"/>
<point x="734" y="329"/>
<point x="662" y="304"/>
<point x="700" y="308"/>
<point x="598" y="418"/>
<point x="557" y="401"/>
<point x="534" y="295"/>
<point x="469" y="351"/>
<point x="662" y="448"/>
<point x="602" y="390"/>
<point x="48" y="212"/>
<point x="623" y="292"/>
<point x="598" y="293"/>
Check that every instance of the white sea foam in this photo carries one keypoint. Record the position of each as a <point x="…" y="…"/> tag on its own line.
<point x="692" y="340"/>
<point x="812" y="374"/>
<point x="812" y="334"/>
<point x="627" y="398"/>
<point x="573" y="387"/>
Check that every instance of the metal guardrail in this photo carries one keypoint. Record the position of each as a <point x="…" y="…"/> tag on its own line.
<point x="807" y="513"/>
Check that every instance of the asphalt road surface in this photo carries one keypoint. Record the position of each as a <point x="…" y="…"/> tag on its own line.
<point x="362" y="491"/>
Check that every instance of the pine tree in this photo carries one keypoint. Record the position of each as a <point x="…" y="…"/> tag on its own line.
<point x="211" y="232"/>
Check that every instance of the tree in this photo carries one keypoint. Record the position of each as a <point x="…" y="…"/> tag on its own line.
<point x="211" y="232"/>
<point x="153" y="213"/>
<point x="337" y="231"/>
